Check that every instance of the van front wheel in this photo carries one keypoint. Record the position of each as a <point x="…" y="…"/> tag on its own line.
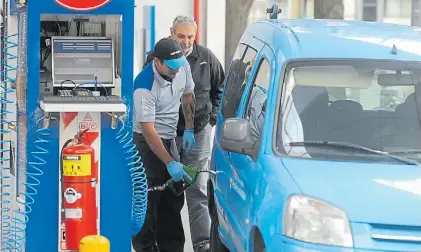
<point x="215" y="241"/>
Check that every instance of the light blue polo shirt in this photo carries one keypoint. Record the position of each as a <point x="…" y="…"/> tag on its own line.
<point x="158" y="100"/>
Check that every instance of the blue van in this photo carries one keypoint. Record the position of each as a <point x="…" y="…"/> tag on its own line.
<point x="318" y="140"/>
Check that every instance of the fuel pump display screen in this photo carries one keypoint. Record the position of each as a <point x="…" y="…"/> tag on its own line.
<point x="77" y="165"/>
<point x="80" y="59"/>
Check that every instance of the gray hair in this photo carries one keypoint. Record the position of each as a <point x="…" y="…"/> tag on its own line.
<point x="180" y="20"/>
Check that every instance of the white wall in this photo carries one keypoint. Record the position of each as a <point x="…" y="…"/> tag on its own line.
<point x="215" y="31"/>
<point x="165" y="12"/>
<point x="212" y="24"/>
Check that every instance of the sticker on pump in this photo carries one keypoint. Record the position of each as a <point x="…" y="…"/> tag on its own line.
<point x="75" y="213"/>
<point x="71" y="195"/>
<point x="85" y="5"/>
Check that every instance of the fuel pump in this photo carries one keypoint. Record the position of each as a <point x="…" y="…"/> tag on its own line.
<point x="79" y="177"/>
<point x="74" y="96"/>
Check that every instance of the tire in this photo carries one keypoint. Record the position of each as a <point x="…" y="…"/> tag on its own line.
<point x="259" y="244"/>
<point x="215" y="241"/>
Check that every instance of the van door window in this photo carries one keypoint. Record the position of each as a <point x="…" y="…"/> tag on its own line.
<point x="256" y="105"/>
<point x="237" y="77"/>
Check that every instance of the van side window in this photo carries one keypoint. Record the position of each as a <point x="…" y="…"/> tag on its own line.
<point x="237" y="77"/>
<point x="256" y="106"/>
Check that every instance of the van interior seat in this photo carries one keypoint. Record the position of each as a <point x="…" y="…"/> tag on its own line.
<point x="407" y="115"/>
<point x="346" y="122"/>
<point x="407" y="126"/>
<point x="312" y="104"/>
<point x="408" y="108"/>
<point x="342" y="112"/>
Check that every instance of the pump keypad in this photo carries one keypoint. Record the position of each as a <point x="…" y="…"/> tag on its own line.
<point x="83" y="99"/>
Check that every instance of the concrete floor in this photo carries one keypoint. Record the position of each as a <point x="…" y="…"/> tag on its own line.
<point x="185" y="217"/>
<point x="188" y="246"/>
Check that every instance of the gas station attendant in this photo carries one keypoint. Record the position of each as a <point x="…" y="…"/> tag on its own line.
<point x="159" y="89"/>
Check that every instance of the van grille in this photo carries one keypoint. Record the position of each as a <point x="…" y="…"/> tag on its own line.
<point x="394" y="233"/>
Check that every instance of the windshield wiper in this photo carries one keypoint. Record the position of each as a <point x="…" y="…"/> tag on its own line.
<point x="354" y="147"/>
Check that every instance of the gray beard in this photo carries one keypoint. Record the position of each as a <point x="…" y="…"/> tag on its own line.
<point x="189" y="52"/>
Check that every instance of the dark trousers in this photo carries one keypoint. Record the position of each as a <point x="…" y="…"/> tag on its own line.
<point x="163" y="228"/>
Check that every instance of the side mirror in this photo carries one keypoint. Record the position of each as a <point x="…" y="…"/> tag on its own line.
<point x="236" y="137"/>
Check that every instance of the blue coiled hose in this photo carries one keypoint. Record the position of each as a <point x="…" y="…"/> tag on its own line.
<point x="28" y="188"/>
<point x="14" y="221"/>
<point x="139" y="180"/>
<point x="5" y="179"/>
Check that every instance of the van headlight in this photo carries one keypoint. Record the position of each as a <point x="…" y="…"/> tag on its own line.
<point x="314" y="221"/>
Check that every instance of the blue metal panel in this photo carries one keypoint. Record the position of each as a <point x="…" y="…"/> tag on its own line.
<point x="149" y="27"/>
<point x="13" y="10"/>
<point x="152" y="21"/>
<point x="115" y="192"/>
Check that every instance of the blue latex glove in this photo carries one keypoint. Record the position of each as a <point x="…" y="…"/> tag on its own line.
<point x="176" y="171"/>
<point x="188" y="140"/>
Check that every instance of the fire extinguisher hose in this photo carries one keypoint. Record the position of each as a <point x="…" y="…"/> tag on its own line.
<point x="138" y="175"/>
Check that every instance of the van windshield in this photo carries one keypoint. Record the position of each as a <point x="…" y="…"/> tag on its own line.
<point x="370" y="104"/>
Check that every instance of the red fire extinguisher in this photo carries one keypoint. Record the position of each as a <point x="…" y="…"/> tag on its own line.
<point x="79" y="177"/>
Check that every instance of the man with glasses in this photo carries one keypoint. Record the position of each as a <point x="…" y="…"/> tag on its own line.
<point x="162" y="86"/>
<point x="208" y="76"/>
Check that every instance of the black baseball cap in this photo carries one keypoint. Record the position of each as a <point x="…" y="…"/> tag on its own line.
<point x="170" y="51"/>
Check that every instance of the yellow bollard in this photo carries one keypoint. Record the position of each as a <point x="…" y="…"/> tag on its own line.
<point x="94" y="243"/>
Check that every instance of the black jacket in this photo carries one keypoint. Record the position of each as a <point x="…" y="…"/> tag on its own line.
<point x="208" y="76"/>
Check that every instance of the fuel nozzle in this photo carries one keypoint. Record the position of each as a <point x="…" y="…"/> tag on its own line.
<point x="179" y="187"/>
<point x="192" y="171"/>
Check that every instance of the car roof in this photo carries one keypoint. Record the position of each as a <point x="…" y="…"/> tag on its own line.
<point x="316" y="38"/>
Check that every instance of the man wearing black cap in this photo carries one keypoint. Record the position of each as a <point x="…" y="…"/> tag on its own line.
<point x="164" y="84"/>
<point x="208" y="75"/>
